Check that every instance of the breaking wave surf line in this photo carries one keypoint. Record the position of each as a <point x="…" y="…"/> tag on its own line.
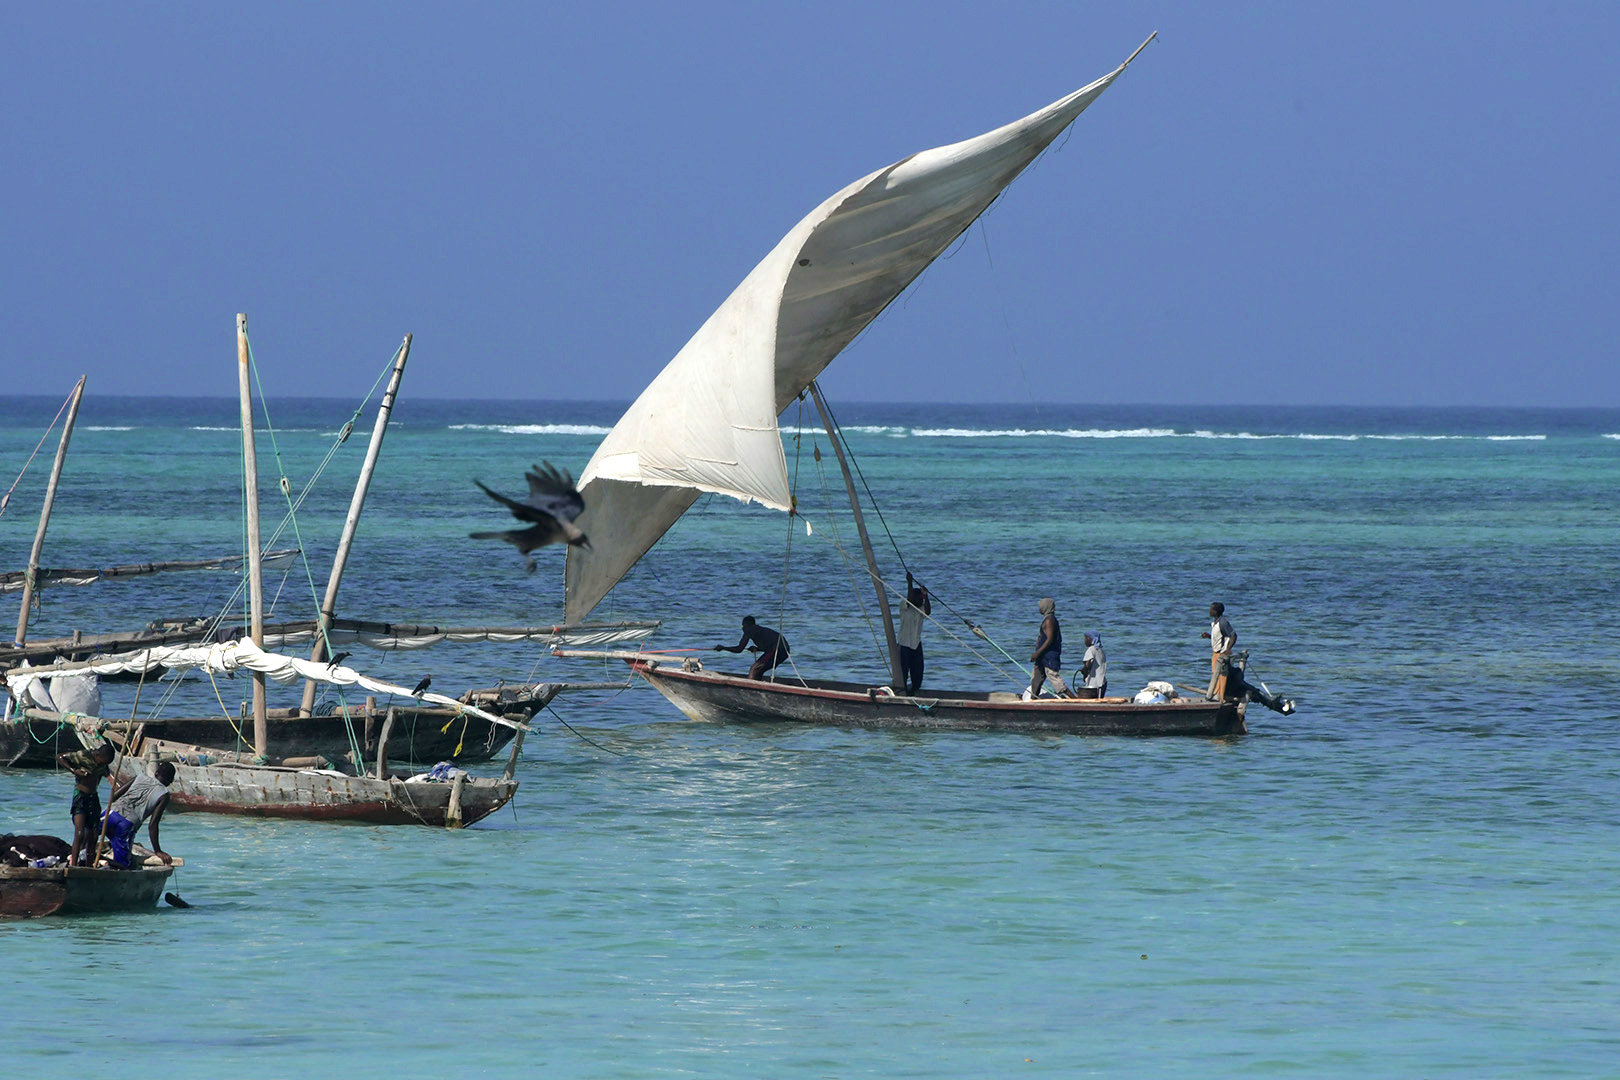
<point x="535" y="429"/>
<point x="1171" y="433"/>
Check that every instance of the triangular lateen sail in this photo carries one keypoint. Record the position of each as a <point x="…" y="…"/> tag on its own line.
<point x="707" y="423"/>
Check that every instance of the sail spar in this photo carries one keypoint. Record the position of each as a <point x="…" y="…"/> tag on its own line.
<point x="707" y="423"/>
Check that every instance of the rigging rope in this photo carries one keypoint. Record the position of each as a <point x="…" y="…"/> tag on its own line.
<point x="826" y="500"/>
<point x="289" y="518"/>
<point x="977" y="630"/>
<point x="586" y="738"/>
<point x="4" y="500"/>
<point x="944" y="628"/>
<point x="793" y="497"/>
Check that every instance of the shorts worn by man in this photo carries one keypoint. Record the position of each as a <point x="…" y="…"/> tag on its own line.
<point x="142" y="798"/>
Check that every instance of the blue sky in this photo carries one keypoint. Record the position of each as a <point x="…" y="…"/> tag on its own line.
<point x="1407" y="204"/>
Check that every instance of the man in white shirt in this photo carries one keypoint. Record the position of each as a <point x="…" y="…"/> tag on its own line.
<point x="1094" y="665"/>
<point x="1221" y="640"/>
<point x="910" y="636"/>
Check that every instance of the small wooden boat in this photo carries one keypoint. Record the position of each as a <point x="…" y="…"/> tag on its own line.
<point x="717" y="697"/>
<point x="216" y="781"/>
<point x="228" y="787"/>
<point x="28" y="892"/>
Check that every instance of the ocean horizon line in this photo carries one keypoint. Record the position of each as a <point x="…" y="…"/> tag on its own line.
<point x="868" y="403"/>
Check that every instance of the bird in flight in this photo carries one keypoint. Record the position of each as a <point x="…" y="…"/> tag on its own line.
<point x="551" y="507"/>
<point x="421" y="687"/>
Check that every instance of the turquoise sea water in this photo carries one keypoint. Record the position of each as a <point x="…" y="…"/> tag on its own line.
<point x="1415" y="875"/>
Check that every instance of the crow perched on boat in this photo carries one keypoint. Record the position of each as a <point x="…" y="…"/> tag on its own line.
<point x="427" y="681"/>
<point x="338" y="659"/>
<point x="552" y="506"/>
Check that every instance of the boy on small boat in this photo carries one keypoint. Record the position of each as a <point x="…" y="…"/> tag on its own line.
<point x="88" y="767"/>
<point x="142" y="798"/>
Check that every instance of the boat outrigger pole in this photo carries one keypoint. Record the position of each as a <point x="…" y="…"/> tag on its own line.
<point x="897" y="680"/>
<point x="45" y="512"/>
<point x="250" y="476"/>
<point x="352" y="522"/>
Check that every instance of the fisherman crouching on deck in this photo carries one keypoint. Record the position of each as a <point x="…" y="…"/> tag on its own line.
<point x="771" y="646"/>
<point x="1048" y="654"/>
<point x="142" y="798"/>
<point x="88" y="767"/>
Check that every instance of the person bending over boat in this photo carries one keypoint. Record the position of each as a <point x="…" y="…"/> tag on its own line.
<point x="771" y="646"/>
<point x="142" y="798"/>
<point x="910" y="636"/>
<point x="1048" y="655"/>
<point x="1221" y="640"/>
<point x="88" y="767"/>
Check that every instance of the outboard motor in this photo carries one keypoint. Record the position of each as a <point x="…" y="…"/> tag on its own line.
<point x="1240" y="689"/>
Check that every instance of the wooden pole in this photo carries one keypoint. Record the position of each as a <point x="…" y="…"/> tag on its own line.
<point x="512" y="762"/>
<point x="250" y="475"/>
<point x="382" y="744"/>
<point x="45" y="511"/>
<point x="897" y="680"/>
<point x="352" y="522"/>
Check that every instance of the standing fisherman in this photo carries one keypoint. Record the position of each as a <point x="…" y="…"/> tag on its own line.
<point x="910" y="636"/>
<point x="1048" y="655"/>
<point x="1221" y="640"/>
<point x="88" y="767"/>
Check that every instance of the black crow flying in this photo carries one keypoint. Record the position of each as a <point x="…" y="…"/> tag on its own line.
<point x="552" y="506"/>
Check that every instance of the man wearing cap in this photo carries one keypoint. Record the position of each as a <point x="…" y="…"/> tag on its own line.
<point x="1048" y="655"/>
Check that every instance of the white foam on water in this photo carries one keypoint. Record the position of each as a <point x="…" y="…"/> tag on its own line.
<point x="1616" y="435"/>
<point x="107" y="427"/>
<point x="1202" y="433"/>
<point x="1050" y="433"/>
<point x="535" y="429"/>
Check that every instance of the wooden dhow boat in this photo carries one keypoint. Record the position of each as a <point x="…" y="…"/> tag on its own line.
<point x="729" y="698"/>
<point x="825" y="281"/>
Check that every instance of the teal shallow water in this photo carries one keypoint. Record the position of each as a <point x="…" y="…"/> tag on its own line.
<point x="1414" y="875"/>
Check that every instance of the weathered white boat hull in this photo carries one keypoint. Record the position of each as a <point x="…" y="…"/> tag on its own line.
<point x="308" y="794"/>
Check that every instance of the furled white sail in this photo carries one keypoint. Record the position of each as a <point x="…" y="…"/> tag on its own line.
<point x="707" y="423"/>
<point x="228" y="659"/>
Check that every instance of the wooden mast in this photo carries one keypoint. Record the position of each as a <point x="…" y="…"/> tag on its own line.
<point x="897" y="680"/>
<point x="250" y="475"/>
<point x="45" y="511"/>
<point x="352" y="522"/>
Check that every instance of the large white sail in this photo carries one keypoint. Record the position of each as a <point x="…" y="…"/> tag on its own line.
<point x="707" y="423"/>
